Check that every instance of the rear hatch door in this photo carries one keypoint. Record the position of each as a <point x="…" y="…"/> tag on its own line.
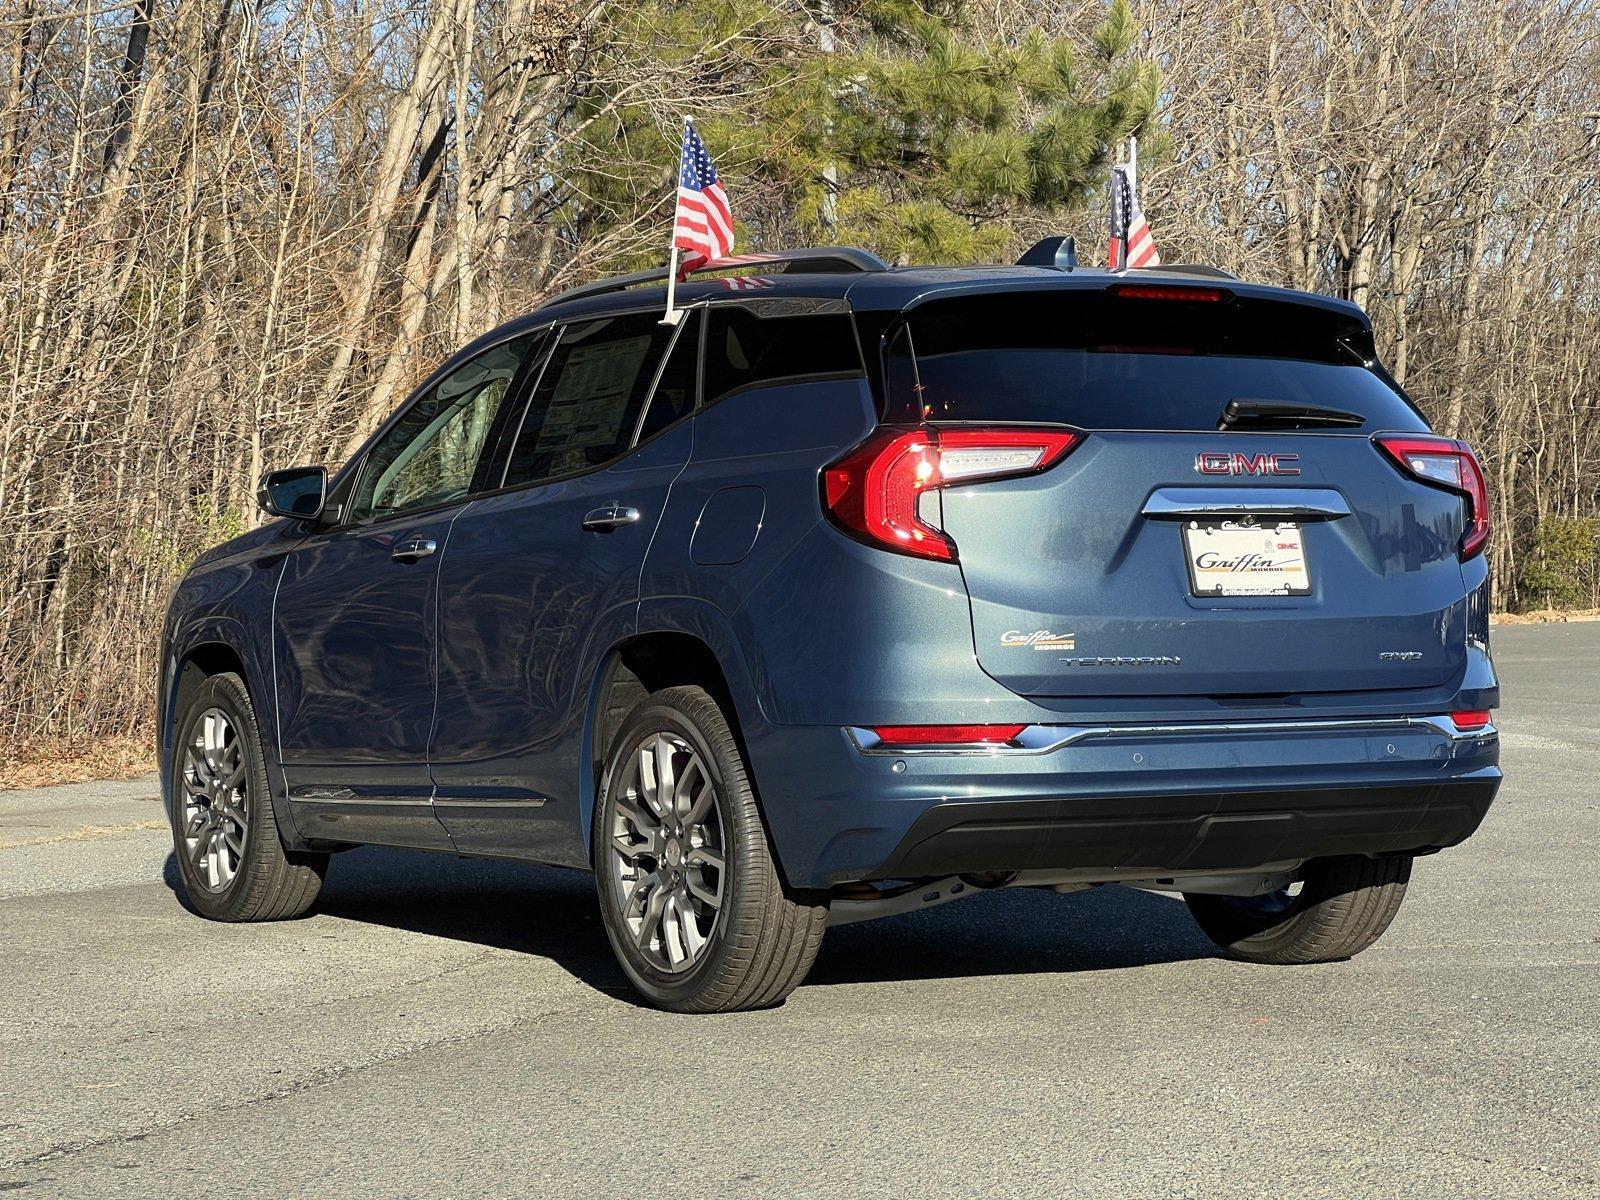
<point x="1134" y="566"/>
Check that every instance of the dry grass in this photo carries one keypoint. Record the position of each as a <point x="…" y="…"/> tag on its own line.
<point x="40" y="764"/>
<point x="1547" y="616"/>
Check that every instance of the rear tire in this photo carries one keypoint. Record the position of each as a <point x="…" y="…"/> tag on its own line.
<point x="1342" y="907"/>
<point x="224" y="831"/>
<point x="693" y="903"/>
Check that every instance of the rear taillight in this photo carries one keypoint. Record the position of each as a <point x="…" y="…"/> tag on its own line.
<point x="1444" y="462"/>
<point x="1477" y="718"/>
<point x="946" y="735"/>
<point x="874" y="492"/>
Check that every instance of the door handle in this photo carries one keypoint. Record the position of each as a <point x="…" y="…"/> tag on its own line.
<point x="612" y="516"/>
<point x="413" y="549"/>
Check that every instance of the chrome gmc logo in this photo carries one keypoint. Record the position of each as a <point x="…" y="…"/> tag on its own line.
<point x="1216" y="462"/>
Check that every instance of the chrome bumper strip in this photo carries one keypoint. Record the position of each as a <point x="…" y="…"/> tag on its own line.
<point x="1046" y="739"/>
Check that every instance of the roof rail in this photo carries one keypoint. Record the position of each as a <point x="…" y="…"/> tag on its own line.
<point x="1193" y="269"/>
<point x="819" y="260"/>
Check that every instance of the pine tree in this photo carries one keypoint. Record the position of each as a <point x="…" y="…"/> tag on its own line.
<point x="947" y="141"/>
<point x="921" y="137"/>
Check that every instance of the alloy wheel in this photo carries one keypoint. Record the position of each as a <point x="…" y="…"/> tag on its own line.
<point x="215" y="799"/>
<point x="667" y="853"/>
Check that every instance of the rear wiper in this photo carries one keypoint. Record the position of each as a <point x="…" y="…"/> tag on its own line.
<point x="1273" y="414"/>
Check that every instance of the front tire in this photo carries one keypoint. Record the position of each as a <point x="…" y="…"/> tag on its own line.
<point x="693" y="903"/>
<point x="224" y="832"/>
<point x="1341" y="907"/>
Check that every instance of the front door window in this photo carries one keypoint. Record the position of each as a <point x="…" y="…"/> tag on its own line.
<point x="428" y="457"/>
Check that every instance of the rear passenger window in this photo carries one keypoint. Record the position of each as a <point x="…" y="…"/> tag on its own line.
<point x="588" y="401"/>
<point x="745" y="348"/>
<point x="675" y="390"/>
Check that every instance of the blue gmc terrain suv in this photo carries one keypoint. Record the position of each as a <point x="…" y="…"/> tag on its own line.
<point x="853" y="591"/>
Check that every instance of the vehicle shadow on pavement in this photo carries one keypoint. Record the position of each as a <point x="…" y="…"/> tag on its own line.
<point x="552" y="913"/>
<point x="1024" y="931"/>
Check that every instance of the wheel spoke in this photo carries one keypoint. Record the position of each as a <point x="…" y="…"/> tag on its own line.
<point x="632" y="850"/>
<point x="642" y="821"/>
<point x="636" y="823"/>
<point x="649" y="785"/>
<point x="683" y="792"/>
<point x="689" y="924"/>
<point x="673" y="942"/>
<point x="213" y="855"/>
<point x="638" y="893"/>
<point x="665" y="777"/>
<point x="704" y="856"/>
<point x="701" y="807"/>
<point x="650" y="922"/>
<point x="199" y="769"/>
<point x="701" y="891"/>
<point x="212" y="742"/>
<point x="199" y="847"/>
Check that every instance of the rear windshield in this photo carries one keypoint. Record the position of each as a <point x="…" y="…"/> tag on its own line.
<point x="1097" y="361"/>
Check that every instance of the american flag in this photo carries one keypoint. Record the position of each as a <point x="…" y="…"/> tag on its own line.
<point x="703" y="225"/>
<point x="1131" y="243"/>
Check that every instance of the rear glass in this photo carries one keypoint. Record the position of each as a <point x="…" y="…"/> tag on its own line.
<point x="1101" y="362"/>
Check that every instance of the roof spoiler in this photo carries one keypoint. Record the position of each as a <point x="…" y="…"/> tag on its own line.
<point x="816" y="260"/>
<point x="1194" y="269"/>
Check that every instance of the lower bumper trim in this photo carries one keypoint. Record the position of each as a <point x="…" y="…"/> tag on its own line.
<point x="1159" y="834"/>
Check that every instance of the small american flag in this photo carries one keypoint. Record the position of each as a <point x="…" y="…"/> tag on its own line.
<point x="1131" y="243"/>
<point x="703" y="224"/>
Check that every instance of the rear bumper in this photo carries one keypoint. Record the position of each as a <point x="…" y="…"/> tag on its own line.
<point x="1123" y="802"/>
<point x="1144" y="836"/>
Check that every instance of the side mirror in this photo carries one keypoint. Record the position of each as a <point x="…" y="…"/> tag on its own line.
<point x="296" y="492"/>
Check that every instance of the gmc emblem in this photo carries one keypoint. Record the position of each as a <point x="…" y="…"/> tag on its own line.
<point x="1215" y="462"/>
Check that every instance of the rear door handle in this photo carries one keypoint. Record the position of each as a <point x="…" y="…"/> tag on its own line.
<point x="413" y="548"/>
<point x="612" y="516"/>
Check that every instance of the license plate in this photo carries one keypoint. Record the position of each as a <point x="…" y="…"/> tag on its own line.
<point x="1235" y="558"/>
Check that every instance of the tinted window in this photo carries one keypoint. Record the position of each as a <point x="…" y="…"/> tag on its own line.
<point x="589" y="397"/>
<point x="743" y="347"/>
<point x="674" y="396"/>
<point x="430" y="454"/>
<point x="1098" y="362"/>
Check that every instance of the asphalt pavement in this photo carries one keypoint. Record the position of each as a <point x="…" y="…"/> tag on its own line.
<point x="452" y="1029"/>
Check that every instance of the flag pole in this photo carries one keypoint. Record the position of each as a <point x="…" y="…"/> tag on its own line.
<point x="674" y="315"/>
<point x="1133" y="191"/>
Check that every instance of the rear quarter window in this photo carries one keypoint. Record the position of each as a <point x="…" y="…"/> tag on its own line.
<point x="769" y="343"/>
<point x="1096" y="361"/>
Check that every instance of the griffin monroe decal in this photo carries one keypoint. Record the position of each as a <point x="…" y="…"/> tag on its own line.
<point x="1039" y="639"/>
